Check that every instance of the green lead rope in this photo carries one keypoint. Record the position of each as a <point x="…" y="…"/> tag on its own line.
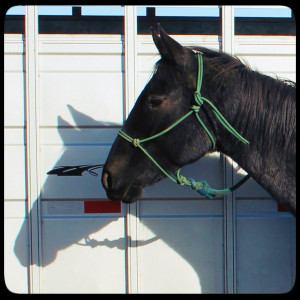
<point x="201" y="187"/>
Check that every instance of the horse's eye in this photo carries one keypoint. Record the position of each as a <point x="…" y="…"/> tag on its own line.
<point x="156" y="102"/>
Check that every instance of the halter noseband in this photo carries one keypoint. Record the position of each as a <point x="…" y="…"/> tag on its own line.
<point x="201" y="187"/>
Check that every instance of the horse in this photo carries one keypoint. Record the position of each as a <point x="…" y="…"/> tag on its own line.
<point x="259" y="110"/>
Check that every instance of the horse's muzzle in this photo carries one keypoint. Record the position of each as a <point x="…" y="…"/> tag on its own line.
<point x="126" y="192"/>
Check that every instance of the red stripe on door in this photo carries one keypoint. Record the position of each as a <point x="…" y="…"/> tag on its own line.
<point x="98" y="207"/>
<point x="280" y="208"/>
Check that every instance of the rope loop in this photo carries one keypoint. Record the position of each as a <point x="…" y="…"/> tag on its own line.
<point x="135" y="142"/>
<point x="182" y="180"/>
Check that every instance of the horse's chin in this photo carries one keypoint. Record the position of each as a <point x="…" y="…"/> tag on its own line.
<point x="133" y="194"/>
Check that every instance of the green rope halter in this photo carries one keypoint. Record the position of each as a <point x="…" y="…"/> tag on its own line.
<point x="201" y="187"/>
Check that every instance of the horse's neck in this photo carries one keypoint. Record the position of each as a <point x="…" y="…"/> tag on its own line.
<point x="270" y="156"/>
<point x="277" y="179"/>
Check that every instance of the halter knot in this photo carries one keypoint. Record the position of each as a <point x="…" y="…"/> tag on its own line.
<point x="182" y="180"/>
<point x="135" y="142"/>
<point x="202" y="187"/>
<point x="196" y="108"/>
<point x="198" y="98"/>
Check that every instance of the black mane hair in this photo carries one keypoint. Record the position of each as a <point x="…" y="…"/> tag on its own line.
<point x="262" y="97"/>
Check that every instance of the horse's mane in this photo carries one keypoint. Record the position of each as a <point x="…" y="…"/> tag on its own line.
<point x="267" y="104"/>
<point x="272" y="103"/>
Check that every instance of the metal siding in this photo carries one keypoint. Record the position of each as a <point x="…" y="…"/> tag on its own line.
<point x="183" y="258"/>
<point x="69" y="83"/>
<point x="15" y="243"/>
<point x="84" y="79"/>
<point x="265" y="237"/>
<point x="15" y="270"/>
<point x="87" y="256"/>
<point x="271" y="55"/>
<point x="77" y="75"/>
<point x="266" y="255"/>
<point x="179" y="240"/>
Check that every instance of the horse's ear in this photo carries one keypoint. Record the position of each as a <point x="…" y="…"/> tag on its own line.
<point x="168" y="48"/>
<point x="159" y="43"/>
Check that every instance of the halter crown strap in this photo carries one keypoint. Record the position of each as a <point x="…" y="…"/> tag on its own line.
<point x="200" y="100"/>
<point x="201" y="187"/>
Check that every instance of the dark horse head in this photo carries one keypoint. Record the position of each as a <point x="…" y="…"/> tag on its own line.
<point x="168" y="96"/>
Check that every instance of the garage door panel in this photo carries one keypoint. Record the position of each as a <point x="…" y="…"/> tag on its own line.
<point x="80" y="258"/>
<point x="245" y="44"/>
<point x="160" y="207"/>
<point x="266" y="254"/>
<point x="14" y="103"/>
<point x="76" y="136"/>
<point x="255" y="206"/>
<point x="265" y="63"/>
<point x="185" y="264"/>
<point x="16" y="256"/>
<point x="14" y="62"/>
<point x="14" y="172"/>
<point x="75" y="62"/>
<point x="87" y="44"/>
<point x="81" y="99"/>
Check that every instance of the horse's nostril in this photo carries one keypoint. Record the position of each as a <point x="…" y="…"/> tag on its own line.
<point x="105" y="180"/>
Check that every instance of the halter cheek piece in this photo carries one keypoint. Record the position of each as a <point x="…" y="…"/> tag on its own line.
<point x="201" y="187"/>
